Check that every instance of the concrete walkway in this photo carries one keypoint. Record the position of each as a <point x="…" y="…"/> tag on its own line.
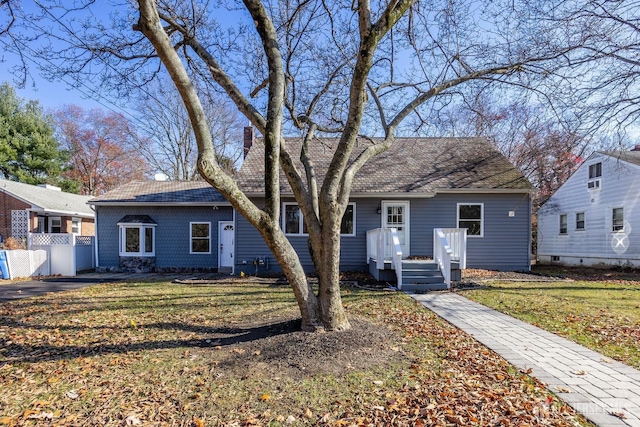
<point x="592" y="384"/>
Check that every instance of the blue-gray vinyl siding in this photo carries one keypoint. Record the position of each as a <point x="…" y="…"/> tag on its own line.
<point x="505" y="244"/>
<point x="172" y="245"/>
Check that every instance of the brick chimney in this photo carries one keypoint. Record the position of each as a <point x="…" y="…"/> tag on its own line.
<point x="248" y="139"/>
<point x="636" y="148"/>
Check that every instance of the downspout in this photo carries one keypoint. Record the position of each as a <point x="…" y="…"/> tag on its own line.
<point x="95" y="234"/>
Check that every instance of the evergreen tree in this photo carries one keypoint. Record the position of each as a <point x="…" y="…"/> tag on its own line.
<point x="29" y="152"/>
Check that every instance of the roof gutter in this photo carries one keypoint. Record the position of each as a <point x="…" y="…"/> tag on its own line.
<point x="119" y="203"/>
<point x="63" y="213"/>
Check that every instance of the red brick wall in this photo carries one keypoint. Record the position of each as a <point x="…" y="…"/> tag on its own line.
<point x="88" y="227"/>
<point x="8" y="203"/>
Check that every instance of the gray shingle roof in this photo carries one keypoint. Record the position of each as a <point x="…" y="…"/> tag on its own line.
<point x="411" y="165"/>
<point x="48" y="199"/>
<point x="161" y="192"/>
<point x="627" y="156"/>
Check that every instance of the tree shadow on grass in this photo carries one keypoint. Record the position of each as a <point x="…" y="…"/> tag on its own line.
<point x="11" y="352"/>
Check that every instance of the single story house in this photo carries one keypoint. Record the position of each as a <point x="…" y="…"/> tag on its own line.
<point x="593" y="218"/>
<point x="42" y="208"/>
<point x="418" y="185"/>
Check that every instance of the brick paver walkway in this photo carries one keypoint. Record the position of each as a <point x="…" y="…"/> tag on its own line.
<point x="592" y="384"/>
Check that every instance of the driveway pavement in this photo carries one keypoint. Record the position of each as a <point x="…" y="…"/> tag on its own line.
<point x="605" y="391"/>
<point x="30" y="288"/>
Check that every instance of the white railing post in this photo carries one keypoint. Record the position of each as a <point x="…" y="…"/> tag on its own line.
<point x="442" y="254"/>
<point x="396" y="256"/>
<point x="463" y="249"/>
<point x="380" y="250"/>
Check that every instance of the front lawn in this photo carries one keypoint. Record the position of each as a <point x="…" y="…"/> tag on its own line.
<point x="602" y="313"/>
<point x="229" y="354"/>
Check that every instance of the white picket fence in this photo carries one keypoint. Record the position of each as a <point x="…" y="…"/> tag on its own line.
<point x="52" y="254"/>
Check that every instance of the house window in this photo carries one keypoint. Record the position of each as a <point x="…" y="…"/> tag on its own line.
<point x="618" y="219"/>
<point x="580" y="221"/>
<point x="137" y="236"/>
<point x="55" y="224"/>
<point x="76" y="226"/>
<point x="470" y="216"/>
<point x="563" y="223"/>
<point x="200" y="237"/>
<point x="137" y="240"/>
<point x="595" y="170"/>
<point x="348" y="224"/>
<point x="293" y="221"/>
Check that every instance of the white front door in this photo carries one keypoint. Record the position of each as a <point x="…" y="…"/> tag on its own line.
<point x="396" y="215"/>
<point x="226" y="239"/>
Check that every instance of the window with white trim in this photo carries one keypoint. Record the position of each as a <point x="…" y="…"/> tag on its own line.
<point x="563" y="224"/>
<point x="76" y="226"/>
<point x="200" y="236"/>
<point x="137" y="239"/>
<point x="293" y="220"/>
<point x="580" y="221"/>
<point x="471" y="217"/>
<point x="55" y="224"/>
<point x="617" y="223"/>
<point x="595" y="170"/>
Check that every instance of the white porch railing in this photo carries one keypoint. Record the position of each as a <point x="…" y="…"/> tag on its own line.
<point x="383" y="244"/>
<point x="457" y="240"/>
<point x="442" y="255"/>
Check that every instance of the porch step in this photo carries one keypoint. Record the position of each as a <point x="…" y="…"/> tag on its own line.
<point x="418" y="275"/>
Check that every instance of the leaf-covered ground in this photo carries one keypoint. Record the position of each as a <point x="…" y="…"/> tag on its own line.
<point x="230" y="354"/>
<point x="599" y="309"/>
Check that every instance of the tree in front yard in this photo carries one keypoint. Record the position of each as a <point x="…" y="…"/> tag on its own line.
<point x="347" y="70"/>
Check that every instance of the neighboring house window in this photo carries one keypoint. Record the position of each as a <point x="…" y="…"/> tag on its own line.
<point x="55" y="224"/>
<point x="580" y="221"/>
<point x="470" y="216"/>
<point x="200" y="237"/>
<point x="563" y="223"/>
<point x="595" y="170"/>
<point x="41" y="226"/>
<point x="137" y="240"/>
<point x="618" y="219"/>
<point x="293" y="221"/>
<point x="76" y="226"/>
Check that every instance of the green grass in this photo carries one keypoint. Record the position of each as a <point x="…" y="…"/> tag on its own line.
<point x="166" y="354"/>
<point x="602" y="315"/>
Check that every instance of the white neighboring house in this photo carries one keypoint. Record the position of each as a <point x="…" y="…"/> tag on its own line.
<point x="594" y="217"/>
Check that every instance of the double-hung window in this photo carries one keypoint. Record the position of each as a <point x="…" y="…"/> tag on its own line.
<point x="580" y="221"/>
<point x="55" y="224"/>
<point x="200" y="237"/>
<point x="137" y="236"/>
<point x="76" y="226"/>
<point x="595" y="170"/>
<point x="563" y="224"/>
<point x="293" y="221"/>
<point x="470" y="216"/>
<point x="617" y="219"/>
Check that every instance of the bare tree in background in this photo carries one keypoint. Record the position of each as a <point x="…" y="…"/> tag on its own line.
<point x="607" y="76"/>
<point x="101" y="146"/>
<point x="170" y="144"/>
<point x="349" y="70"/>
<point x="545" y="149"/>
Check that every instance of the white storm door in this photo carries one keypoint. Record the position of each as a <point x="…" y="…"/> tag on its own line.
<point x="396" y="215"/>
<point x="226" y="239"/>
